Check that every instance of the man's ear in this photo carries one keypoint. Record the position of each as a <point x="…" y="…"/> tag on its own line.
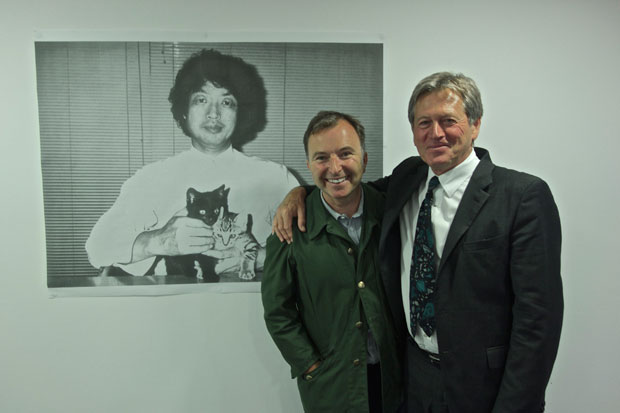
<point x="476" y="129"/>
<point x="365" y="161"/>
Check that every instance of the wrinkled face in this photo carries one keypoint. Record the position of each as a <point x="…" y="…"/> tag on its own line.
<point x="441" y="131"/>
<point x="337" y="163"/>
<point x="211" y="118"/>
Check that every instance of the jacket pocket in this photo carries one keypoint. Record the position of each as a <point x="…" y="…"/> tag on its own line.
<point x="496" y="357"/>
<point x="316" y="373"/>
<point x="483" y="244"/>
<point x="321" y="391"/>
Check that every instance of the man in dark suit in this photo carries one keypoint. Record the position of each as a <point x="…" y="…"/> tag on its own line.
<point x="471" y="266"/>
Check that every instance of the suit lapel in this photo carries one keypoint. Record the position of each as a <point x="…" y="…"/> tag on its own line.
<point x="474" y="198"/>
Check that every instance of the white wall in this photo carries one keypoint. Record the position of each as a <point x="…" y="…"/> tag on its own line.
<point x="548" y="71"/>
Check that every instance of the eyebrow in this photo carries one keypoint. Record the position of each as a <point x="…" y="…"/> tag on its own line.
<point x="344" y="148"/>
<point x="227" y="93"/>
<point x="315" y="154"/>
<point x="441" y="116"/>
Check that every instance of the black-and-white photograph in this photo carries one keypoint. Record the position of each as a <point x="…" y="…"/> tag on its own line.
<point x="164" y="162"/>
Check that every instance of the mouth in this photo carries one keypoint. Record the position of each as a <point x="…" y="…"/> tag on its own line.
<point x="213" y="128"/>
<point x="336" y="181"/>
<point x="438" y="146"/>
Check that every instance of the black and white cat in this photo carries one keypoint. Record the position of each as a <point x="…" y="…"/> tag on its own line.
<point x="232" y="233"/>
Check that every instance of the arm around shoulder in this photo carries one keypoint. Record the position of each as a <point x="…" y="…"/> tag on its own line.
<point x="293" y="206"/>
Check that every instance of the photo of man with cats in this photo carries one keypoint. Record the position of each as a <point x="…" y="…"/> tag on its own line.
<point x="117" y="168"/>
<point x="204" y="213"/>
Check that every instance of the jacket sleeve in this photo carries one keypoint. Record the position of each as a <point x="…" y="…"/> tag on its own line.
<point x="538" y="302"/>
<point x="381" y="184"/>
<point x="283" y="320"/>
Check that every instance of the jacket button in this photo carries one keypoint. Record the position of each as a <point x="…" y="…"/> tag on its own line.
<point x="350" y="251"/>
<point x="361" y="284"/>
<point x="358" y="324"/>
<point x="356" y="362"/>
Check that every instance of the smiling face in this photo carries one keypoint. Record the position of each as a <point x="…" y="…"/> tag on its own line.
<point x="337" y="162"/>
<point x="211" y="118"/>
<point x="441" y="131"/>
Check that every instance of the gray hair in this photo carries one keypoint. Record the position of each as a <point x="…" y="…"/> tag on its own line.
<point x="326" y="119"/>
<point x="456" y="82"/>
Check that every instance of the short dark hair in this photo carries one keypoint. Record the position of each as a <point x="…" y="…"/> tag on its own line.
<point x="326" y="119"/>
<point x="240" y="78"/>
<point x="464" y="86"/>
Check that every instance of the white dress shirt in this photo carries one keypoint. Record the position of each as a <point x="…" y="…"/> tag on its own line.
<point x="446" y="200"/>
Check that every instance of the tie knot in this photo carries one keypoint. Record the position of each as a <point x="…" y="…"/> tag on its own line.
<point x="432" y="184"/>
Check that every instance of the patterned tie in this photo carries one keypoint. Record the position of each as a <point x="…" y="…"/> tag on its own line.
<point x="423" y="267"/>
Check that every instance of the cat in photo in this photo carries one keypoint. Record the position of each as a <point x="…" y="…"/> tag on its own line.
<point x="232" y="234"/>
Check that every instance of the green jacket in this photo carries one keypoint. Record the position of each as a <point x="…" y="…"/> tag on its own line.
<point x="321" y="294"/>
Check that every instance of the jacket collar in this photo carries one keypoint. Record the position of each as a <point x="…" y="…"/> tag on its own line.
<point x="319" y="219"/>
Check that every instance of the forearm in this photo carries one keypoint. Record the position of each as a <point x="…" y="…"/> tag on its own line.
<point x="110" y="244"/>
<point x="281" y="313"/>
<point x="145" y="246"/>
<point x="532" y="352"/>
<point x="380" y="184"/>
<point x="538" y="303"/>
<point x="291" y="338"/>
<point x="113" y="236"/>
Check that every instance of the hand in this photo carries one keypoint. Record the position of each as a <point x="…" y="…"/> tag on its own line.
<point x="180" y="236"/>
<point x="292" y="206"/>
<point x="313" y="367"/>
<point x="183" y="235"/>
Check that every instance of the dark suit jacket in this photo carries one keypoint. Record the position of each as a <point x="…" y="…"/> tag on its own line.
<point x="499" y="293"/>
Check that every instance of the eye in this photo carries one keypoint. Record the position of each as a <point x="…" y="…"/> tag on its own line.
<point x="229" y="103"/>
<point x="202" y="212"/>
<point x="449" y="122"/>
<point x="198" y="100"/>
<point x="424" y="124"/>
<point x="346" y="154"/>
<point x="216" y="211"/>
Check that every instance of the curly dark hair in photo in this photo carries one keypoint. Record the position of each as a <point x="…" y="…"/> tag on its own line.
<point x="241" y="79"/>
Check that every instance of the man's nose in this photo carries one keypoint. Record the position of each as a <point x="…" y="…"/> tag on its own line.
<point x="334" y="164"/>
<point x="213" y="111"/>
<point x="437" y="131"/>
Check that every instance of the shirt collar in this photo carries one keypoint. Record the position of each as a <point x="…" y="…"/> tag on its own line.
<point x="451" y="180"/>
<point x="228" y="155"/>
<point x="337" y="215"/>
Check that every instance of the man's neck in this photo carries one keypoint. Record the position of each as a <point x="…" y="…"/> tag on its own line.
<point x="440" y="171"/>
<point x="211" y="150"/>
<point x="348" y="206"/>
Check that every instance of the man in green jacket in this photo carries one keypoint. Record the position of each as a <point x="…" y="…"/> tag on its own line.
<point x="324" y="303"/>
